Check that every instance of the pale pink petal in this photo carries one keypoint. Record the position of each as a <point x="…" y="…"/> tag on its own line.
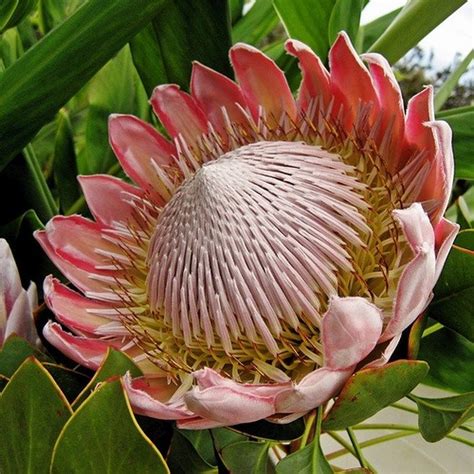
<point x="80" y="314"/>
<point x="315" y="81"/>
<point x="315" y="389"/>
<point x="445" y="233"/>
<point x="213" y="92"/>
<point x="178" y="112"/>
<point x="140" y="148"/>
<point x="392" y="116"/>
<point x="418" y="278"/>
<point x="10" y="282"/>
<point x="198" y="423"/>
<point x="151" y="397"/>
<point x="110" y="199"/>
<point x="88" y="352"/>
<point x="350" y="78"/>
<point x="350" y="330"/>
<point x="262" y="82"/>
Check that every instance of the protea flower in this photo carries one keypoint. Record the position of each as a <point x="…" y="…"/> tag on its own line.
<point x="267" y="248"/>
<point x="16" y="304"/>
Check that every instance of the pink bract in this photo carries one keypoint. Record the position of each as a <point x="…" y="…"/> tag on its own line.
<point x="267" y="248"/>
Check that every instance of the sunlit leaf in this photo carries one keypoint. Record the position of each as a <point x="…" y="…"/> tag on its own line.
<point x="373" y="30"/>
<point x="345" y="16"/>
<point x="370" y="390"/>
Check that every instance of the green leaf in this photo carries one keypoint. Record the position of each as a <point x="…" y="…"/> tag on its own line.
<point x="307" y="21"/>
<point x="184" y="458"/>
<point x="451" y="360"/>
<point x="64" y="162"/>
<point x="246" y="456"/>
<point x="69" y="381"/>
<point x="266" y="430"/>
<point x="373" y="30"/>
<point x="345" y="16"/>
<point x="53" y="12"/>
<point x="257" y="23"/>
<point x="185" y="31"/>
<point x="203" y="443"/>
<point x="438" y="417"/>
<point x="236" y="7"/>
<point x="103" y="436"/>
<point x="464" y="217"/>
<point x="415" y="21"/>
<point x="453" y="302"/>
<point x="13" y="11"/>
<point x="461" y="120"/>
<point x="33" y="410"/>
<point x="225" y="436"/>
<point x="309" y="460"/>
<point x="370" y="390"/>
<point x="34" y="88"/>
<point x="451" y="82"/>
<point x="115" y="364"/>
<point x="14" y="352"/>
<point x="10" y="47"/>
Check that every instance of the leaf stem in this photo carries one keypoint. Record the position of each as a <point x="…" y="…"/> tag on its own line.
<point x="338" y="438"/>
<point x="307" y="429"/>
<point x="404" y="407"/>
<point x="358" y="451"/>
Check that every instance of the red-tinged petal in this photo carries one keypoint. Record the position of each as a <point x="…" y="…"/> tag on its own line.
<point x="110" y="199"/>
<point x="445" y="233"/>
<point x="178" y="112"/>
<point x="418" y="278"/>
<point x="153" y="397"/>
<point x="83" y="350"/>
<point x="315" y="389"/>
<point x="350" y="79"/>
<point x="213" y="92"/>
<point x="80" y="314"/>
<point x="350" y="330"/>
<point x="419" y="111"/>
<point x="392" y="116"/>
<point x="198" y="423"/>
<point x="136" y="145"/>
<point x="262" y="82"/>
<point x="315" y="83"/>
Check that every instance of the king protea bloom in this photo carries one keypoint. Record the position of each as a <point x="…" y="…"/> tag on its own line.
<point x="267" y="248"/>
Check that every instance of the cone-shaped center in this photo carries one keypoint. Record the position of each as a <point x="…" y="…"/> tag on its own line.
<point x="250" y="247"/>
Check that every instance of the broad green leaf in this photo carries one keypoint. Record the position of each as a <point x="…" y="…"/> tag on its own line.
<point x="14" y="352"/>
<point x="34" y="88"/>
<point x="69" y="381"/>
<point x="370" y="390"/>
<point x="246" y="456"/>
<point x="53" y="12"/>
<point x="202" y="442"/>
<point x="33" y="410"/>
<point x="437" y="417"/>
<point x="103" y="436"/>
<point x="373" y="30"/>
<point x="453" y="302"/>
<point x="225" y="436"/>
<point x="464" y="216"/>
<point x="451" y="360"/>
<point x="112" y="90"/>
<point x="451" y="82"/>
<point x="307" y="21"/>
<point x="236" y="7"/>
<point x="184" y="458"/>
<point x="257" y="23"/>
<point x="415" y="21"/>
<point x="461" y="121"/>
<point x="309" y="460"/>
<point x="115" y="363"/>
<point x="345" y="16"/>
<point x="13" y="11"/>
<point x="184" y="31"/>
<point x="65" y="163"/>
<point x="10" y="47"/>
<point x="266" y="430"/>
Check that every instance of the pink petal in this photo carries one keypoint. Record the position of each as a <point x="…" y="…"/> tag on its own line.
<point x="151" y="397"/>
<point x="77" y="312"/>
<point x="445" y="233"/>
<point x="85" y="351"/>
<point x="392" y="116"/>
<point x="110" y="199"/>
<point x="262" y="82"/>
<point x="350" y="330"/>
<point x="419" y="111"/>
<point x="213" y="92"/>
<point x="418" y="278"/>
<point x="178" y="112"/>
<point x="315" y="82"/>
<point x="136" y="145"/>
<point x="198" y="423"/>
<point x="350" y="78"/>
<point x="315" y="389"/>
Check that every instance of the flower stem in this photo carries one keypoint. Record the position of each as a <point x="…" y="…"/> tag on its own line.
<point x="307" y="429"/>
<point x="358" y="451"/>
